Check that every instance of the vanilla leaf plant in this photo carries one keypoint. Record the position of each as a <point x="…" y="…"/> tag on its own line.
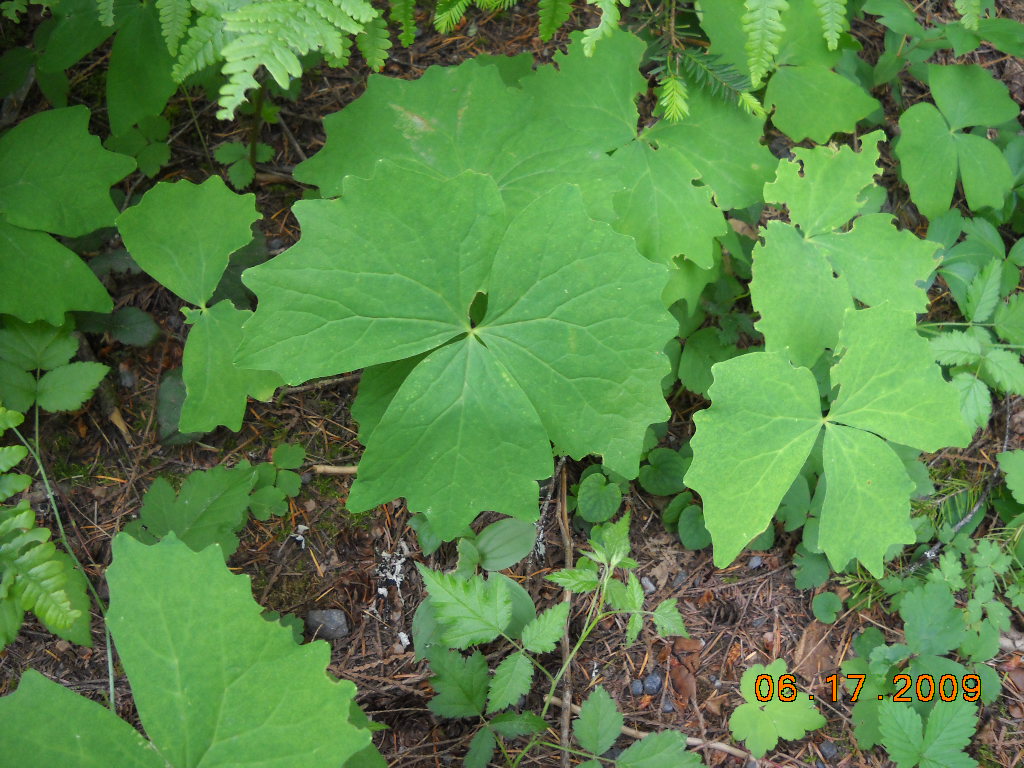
<point x="860" y="380"/>
<point x="491" y="335"/>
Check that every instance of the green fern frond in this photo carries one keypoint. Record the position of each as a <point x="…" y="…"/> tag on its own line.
<point x="749" y="103"/>
<point x="32" y="574"/>
<point x="711" y="73"/>
<point x="402" y="15"/>
<point x="341" y="57"/>
<point x="833" y="20"/>
<point x="449" y="13"/>
<point x="970" y="12"/>
<point x="553" y="14"/>
<point x="248" y="34"/>
<point x="762" y="24"/>
<point x="202" y="47"/>
<point x="174" y="18"/>
<point x="374" y="43"/>
<point x="494" y="5"/>
<point x="11" y="619"/>
<point x="609" y="23"/>
<point x="359" y="10"/>
<point x="672" y="97"/>
<point x="105" y="11"/>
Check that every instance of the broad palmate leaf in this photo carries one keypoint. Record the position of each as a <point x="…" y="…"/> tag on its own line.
<point x="564" y="346"/>
<point x="215" y="684"/>
<point x="532" y="130"/>
<point x="766" y="416"/>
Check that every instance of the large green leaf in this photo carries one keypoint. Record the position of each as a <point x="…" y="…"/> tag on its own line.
<point x="928" y="158"/>
<point x="69" y="284"/>
<point x="218" y="684"/>
<point x="822" y="186"/>
<point x="882" y="263"/>
<point x="572" y="316"/>
<point x="55" y="176"/>
<point x="216" y="387"/>
<point x="867" y="483"/>
<point x="89" y="736"/>
<point x="724" y="144"/>
<point x="215" y="684"/>
<point x="889" y="383"/>
<point x="764" y="419"/>
<point x="139" y="77"/>
<point x="813" y="102"/>
<point x="660" y="207"/>
<point x="533" y="132"/>
<point x="548" y="130"/>
<point x="792" y="282"/>
<point x="183" y="234"/>
<point x="968" y="95"/>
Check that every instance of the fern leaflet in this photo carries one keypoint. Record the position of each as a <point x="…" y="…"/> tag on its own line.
<point x="402" y="15"/>
<point x="553" y="14"/>
<point x="708" y="71"/>
<point x="374" y="43"/>
<point x="32" y="576"/>
<point x="449" y="13"/>
<point x="763" y="27"/>
<point x="174" y="18"/>
<point x="248" y="34"/>
<point x="105" y="11"/>
<point x="672" y="97"/>
<point x="833" y="20"/>
<point x="970" y="12"/>
<point x="202" y="47"/>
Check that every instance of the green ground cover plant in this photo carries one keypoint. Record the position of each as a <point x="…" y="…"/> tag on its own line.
<point x="523" y="273"/>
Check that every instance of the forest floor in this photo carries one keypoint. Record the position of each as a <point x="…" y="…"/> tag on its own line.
<point x="106" y="456"/>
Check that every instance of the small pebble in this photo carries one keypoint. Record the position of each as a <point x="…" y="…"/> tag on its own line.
<point x="668" y="706"/>
<point x="331" y="624"/>
<point x="819" y="764"/>
<point x="612" y="754"/>
<point x="648" y="585"/>
<point x="759" y="621"/>
<point x="653" y="683"/>
<point x="829" y="750"/>
<point x="679" y="580"/>
<point x="636" y="687"/>
<point x="755" y="562"/>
